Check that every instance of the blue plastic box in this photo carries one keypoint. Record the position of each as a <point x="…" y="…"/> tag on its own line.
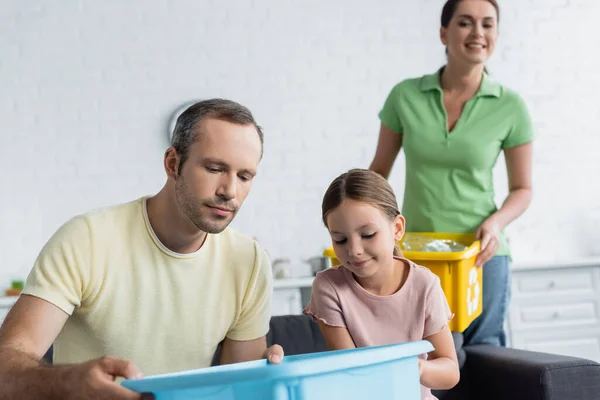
<point x="381" y="372"/>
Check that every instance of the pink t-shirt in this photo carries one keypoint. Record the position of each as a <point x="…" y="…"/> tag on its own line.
<point x="418" y="310"/>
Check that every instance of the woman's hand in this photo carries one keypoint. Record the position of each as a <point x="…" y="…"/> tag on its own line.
<point x="488" y="234"/>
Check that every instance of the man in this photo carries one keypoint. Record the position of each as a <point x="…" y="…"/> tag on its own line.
<point x="151" y="286"/>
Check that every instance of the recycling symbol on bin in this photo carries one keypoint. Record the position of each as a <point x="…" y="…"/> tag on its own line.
<point x="473" y="292"/>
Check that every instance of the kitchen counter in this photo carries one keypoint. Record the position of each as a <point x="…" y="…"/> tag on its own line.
<point x="287" y="283"/>
<point x="557" y="264"/>
<point x="306" y="281"/>
<point x="5" y="305"/>
<point x="7" y="302"/>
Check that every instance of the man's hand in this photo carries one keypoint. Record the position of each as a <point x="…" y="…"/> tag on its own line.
<point x="274" y="354"/>
<point x="29" y="329"/>
<point x="235" y="351"/>
<point x="96" y="380"/>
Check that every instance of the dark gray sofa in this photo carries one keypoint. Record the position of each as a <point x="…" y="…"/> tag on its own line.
<point x="487" y="372"/>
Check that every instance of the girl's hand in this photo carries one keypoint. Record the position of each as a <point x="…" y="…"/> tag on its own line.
<point x="440" y="371"/>
<point x="488" y="234"/>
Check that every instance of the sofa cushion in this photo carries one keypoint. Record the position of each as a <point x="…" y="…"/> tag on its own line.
<point x="300" y="334"/>
<point x="458" y="344"/>
<point x="297" y="334"/>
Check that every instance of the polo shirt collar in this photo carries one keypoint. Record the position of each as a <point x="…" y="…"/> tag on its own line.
<point x="487" y="88"/>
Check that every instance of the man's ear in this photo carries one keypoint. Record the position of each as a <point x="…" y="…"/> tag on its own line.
<point x="399" y="226"/>
<point x="171" y="162"/>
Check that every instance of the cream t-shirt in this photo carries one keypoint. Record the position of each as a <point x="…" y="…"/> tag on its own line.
<point x="130" y="297"/>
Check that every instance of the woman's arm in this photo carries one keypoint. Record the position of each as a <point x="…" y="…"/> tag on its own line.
<point x="441" y="370"/>
<point x="388" y="146"/>
<point x="518" y="166"/>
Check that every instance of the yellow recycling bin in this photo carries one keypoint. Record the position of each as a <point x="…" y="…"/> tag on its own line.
<point x="461" y="280"/>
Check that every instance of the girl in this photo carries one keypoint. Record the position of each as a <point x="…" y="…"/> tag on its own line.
<point x="453" y="124"/>
<point x="376" y="297"/>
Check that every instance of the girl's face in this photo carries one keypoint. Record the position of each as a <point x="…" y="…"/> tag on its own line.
<point x="472" y="32"/>
<point x="363" y="237"/>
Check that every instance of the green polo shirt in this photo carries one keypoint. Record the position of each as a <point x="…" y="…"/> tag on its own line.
<point x="449" y="184"/>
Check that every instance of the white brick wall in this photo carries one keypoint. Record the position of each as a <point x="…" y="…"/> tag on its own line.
<point x="86" y="89"/>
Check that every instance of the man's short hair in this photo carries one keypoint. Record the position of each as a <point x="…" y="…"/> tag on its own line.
<point x="185" y="132"/>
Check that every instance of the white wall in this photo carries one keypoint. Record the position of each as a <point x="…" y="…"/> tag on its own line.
<point x="86" y="89"/>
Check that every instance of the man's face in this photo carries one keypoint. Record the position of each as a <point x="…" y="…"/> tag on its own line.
<point x="218" y="173"/>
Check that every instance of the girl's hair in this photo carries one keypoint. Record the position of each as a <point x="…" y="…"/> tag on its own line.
<point x="361" y="185"/>
<point x="450" y="9"/>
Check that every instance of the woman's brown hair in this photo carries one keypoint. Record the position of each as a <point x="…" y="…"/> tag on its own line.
<point x="361" y="185"/>
<point x="450" y="9"/>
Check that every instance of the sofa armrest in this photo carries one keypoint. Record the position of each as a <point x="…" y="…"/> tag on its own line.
<point x="504" y="373"/>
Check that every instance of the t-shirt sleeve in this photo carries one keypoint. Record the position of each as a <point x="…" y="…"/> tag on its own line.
<point x="255" y="314"/>
<point x="521" y="131"/>
<point x="60" y="273"/>
<point x="324" y="304"/>
<point x="390" y="113"/>
<point x="437" y="311"/>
